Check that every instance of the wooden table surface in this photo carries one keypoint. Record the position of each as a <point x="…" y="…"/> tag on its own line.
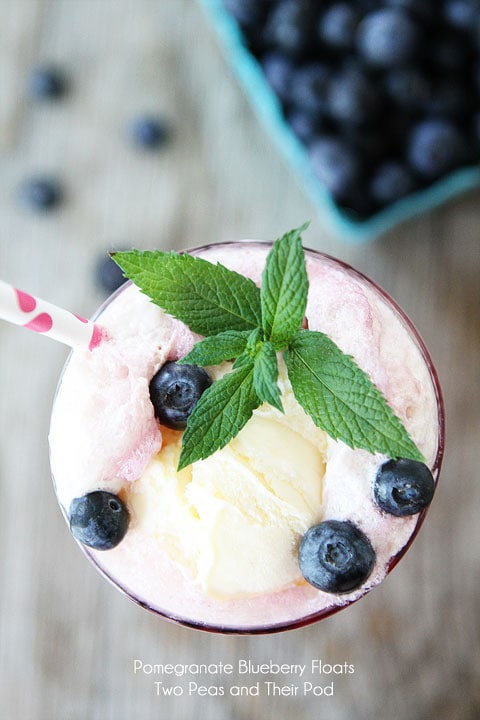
<point x="68" y="639"/>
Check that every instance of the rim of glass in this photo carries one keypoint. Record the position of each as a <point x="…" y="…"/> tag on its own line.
<point x="394" y="560"/>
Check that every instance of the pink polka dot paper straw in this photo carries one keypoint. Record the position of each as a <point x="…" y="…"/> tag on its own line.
<point x="23" y="309"/>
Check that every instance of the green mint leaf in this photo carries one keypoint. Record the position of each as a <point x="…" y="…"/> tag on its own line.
<point x="265" y="375"/>
<point x="342" y="400"/>
<point x="215" y="349"/>
<point x="208" y="298"/>
<point x="284" y="289"/>
<point x="219" y="415"/>
<point x="265" y="368"/>
<point x="252" y="347"/>
<point x="245" y="358"/>
<point x="254" y="340"/>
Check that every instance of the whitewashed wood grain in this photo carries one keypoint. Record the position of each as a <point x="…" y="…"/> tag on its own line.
<point x="68" y="640"/>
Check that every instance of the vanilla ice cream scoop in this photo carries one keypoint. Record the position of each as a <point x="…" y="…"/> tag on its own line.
<point x="216" y="544"/>
<point x="244" y="509"/>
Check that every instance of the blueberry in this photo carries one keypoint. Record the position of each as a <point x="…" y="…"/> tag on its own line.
<point x="335" y="165"/>
<point x="403" y="487"/>
<point x="290" y="26"/>
<point x="48" y="83"/>
<point x="461" y="13"/>
<point x="309" y="87"/>
<point x="336" y="556"/>
<point x="42" y="193"/>
<point x="99" y="519"/>
<point x="391" y="181"/>
<point x="149" y="132"/>
<point x="337" y="26"/>
<point x="352" y="98"/>
<point x="109" y="275"/>
<point x="388" y="37"/>
<point x="305" y="125"/>
<point x="408" y="87"/>
<point x="174" y="392"/>
<point x="435" y="147"/>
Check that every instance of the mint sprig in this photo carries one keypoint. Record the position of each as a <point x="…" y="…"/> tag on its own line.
<point x="251" y="326"/>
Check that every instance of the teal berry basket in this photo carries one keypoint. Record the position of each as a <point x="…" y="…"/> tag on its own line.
<point x="268" y="109"/>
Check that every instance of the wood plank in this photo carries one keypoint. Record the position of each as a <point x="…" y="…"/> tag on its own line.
<point x="68" y="640"/>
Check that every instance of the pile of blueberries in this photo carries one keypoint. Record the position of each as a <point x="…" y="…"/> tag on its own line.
<point x="385" y="95"/>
